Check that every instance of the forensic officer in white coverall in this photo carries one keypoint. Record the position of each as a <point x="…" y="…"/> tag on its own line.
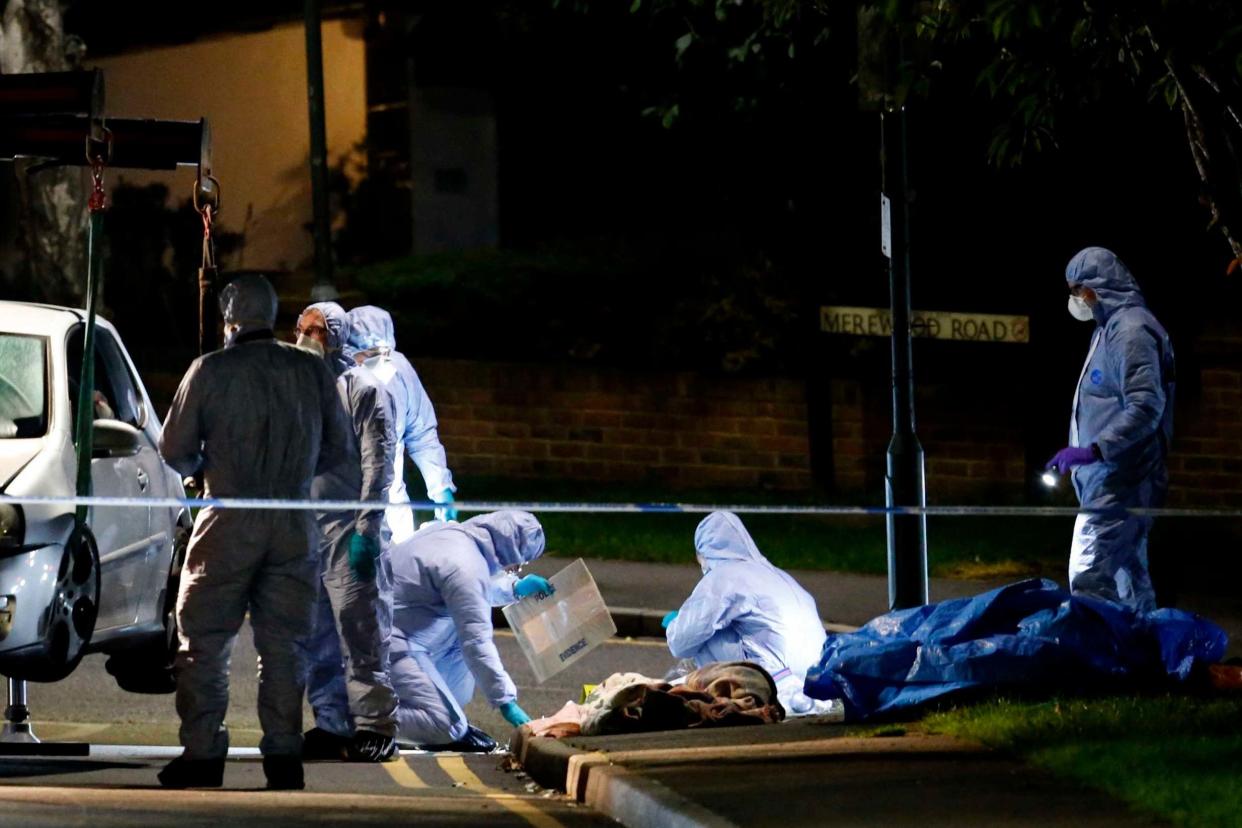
<point x="373" y="343"/>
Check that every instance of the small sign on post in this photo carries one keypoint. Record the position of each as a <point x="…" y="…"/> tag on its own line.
<point x="964" y="327"/>
<point x="886" y="226"/>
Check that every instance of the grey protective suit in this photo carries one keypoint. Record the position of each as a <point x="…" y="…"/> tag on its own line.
<point x="442" y="619"/>
<point x="1124" y="405"/>
<point x="347" y="649"/>
<point x="258" y="419"/>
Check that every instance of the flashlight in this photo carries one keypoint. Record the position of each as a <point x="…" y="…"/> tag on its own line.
<point x="1050" y="478"/>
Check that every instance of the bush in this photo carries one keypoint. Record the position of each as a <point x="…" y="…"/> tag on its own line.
<point x="650" y="304"/>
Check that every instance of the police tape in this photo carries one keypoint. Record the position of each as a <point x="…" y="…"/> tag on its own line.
<point x="277" y="504"/>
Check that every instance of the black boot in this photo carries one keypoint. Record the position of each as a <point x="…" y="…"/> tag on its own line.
<point x="369" y="746"/>
<point x="284" y="773"/>
<point x="192" y="773"/>
<point x="475" y="741"/>
<point x="318" y="743"/>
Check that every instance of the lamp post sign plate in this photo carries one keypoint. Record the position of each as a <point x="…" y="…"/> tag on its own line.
<point x="964" y="327"/>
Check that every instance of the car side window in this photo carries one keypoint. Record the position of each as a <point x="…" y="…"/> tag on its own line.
<point x="128" y="407"/>
<point x="112" y="401"/>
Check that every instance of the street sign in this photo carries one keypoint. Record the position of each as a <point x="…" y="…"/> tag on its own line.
<point x="966" y="327"/>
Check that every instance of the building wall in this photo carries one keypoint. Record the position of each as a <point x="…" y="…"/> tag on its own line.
<point x="454" y="170"/>
<point x="260" y="130"/>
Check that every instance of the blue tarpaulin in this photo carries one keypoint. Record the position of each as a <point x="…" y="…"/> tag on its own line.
<point x="1030" y="635"/>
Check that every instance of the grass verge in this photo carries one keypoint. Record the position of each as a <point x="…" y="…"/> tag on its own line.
<point x="958" y="547"/>
<point x="1176" y="756"/>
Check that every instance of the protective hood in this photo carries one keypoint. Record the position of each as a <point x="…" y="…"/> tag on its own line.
<point x="722" y="537"/>
<point x="1101" y="270"/>
<point x="371" y="327"/>
<point x="506" y="538"/>
<point x="337" y="321"/>
<point x="248" y="302"/>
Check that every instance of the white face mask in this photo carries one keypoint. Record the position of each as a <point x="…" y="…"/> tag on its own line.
<point x="307" y="343"/>
<point x="381" y="366"/>
<point x="1080" y="310"/>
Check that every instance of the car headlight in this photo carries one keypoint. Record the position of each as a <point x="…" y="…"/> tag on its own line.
<point x="12" y="526"/>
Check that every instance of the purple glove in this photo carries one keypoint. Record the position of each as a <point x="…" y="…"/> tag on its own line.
<point x="1071" y="456"/>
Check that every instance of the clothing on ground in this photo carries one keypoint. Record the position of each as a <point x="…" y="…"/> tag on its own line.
<point x="717" y="695"/>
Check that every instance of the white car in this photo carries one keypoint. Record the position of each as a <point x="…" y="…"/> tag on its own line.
<point x="111" y="587"/>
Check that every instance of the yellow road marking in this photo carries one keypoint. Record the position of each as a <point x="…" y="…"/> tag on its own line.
<point x="403" y="774"/>
<point x="455" y="767"/>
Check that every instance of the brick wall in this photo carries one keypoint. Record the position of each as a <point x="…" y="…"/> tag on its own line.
<point x="971" y="449"/>
<point x="1205" y="465"/>
<point x="586" y="423"/>
<point x="683" y="430"/>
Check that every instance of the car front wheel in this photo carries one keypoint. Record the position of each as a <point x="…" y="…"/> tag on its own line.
<point x="69" y="620"/>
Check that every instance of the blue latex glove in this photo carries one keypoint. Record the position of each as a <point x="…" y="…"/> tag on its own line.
<point x="513" y="714"/>
<point x="1071" y="456"/>
<point x="667" y="619"/>
<point x="532" y="585"/>
<point x="362" y="554"/>
<point x="447" y="512"/>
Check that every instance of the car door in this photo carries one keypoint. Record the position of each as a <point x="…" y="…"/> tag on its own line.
<point x="155" y="480"/>
<point x="121" y="532"/>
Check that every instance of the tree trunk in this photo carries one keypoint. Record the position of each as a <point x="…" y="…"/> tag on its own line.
<point x="52" y="200"/>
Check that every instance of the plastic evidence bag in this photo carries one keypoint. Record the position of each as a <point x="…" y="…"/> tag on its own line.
<point x="556" y="630"/>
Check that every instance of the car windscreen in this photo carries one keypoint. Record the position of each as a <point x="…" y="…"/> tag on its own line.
<point x="23" y="386"/>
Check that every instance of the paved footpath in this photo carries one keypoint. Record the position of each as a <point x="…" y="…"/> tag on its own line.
<point x="810" y="772"/>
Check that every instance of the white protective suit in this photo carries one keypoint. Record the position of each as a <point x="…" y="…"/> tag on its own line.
<point x="442" y="619"/>
<point x="746" y="609"/>
<point x="347" y="649"/>
<point x="1124" y="405"/>
<point x="371" y="330"/>
<point x="258" y="419"/>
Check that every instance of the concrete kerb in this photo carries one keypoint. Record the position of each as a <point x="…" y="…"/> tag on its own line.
<point x="638" y="802"/>
<point x="612" y="781"/>
<point x="590" y="777"/>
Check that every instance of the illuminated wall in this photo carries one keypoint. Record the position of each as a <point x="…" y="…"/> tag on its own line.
<point x="252" y="88"/>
